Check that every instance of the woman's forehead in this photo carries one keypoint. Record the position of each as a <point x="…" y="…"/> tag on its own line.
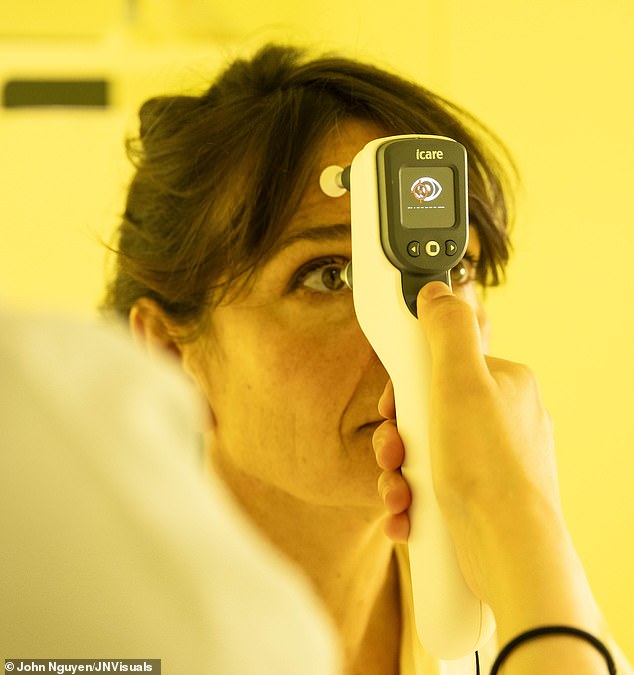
<point x="339" y="148"/>
<point x="345" y="140"/>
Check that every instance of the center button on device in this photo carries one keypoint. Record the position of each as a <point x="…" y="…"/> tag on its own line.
<point x="432" y="248"/>
<point x="413" y="248"/>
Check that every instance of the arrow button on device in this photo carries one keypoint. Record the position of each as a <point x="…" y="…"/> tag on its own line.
<point x="413" y="248"/>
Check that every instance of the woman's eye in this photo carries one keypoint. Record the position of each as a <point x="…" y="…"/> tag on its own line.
<point x="323" y="276"/>
<point x="464" y="272"/>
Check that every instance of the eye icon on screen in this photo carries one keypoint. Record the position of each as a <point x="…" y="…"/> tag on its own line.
<point x="426" y="189"/>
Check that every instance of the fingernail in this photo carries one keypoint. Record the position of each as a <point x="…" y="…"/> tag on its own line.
<point x="377" y="442"/>
<point x="433" y="290"/>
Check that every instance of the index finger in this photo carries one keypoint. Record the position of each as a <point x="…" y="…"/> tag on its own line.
<point x="387" y="407"/>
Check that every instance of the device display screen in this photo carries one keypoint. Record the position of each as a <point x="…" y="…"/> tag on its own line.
<point x="427" y="196"/>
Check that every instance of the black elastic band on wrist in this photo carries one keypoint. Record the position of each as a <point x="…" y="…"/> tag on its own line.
<point x="554" y="630"/>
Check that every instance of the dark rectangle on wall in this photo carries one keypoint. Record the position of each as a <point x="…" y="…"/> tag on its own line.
<point x="36" y="93"/>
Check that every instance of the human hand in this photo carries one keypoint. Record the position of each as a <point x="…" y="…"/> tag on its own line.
<point x="492" y="449"/>
<point x="494" y="475"/>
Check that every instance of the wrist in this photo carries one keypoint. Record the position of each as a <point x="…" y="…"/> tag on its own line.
<point x="549" y="649"/>
<point x="531" y="574"/>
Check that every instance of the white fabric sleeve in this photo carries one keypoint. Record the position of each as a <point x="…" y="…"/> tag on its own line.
<point x="115" y="543"/>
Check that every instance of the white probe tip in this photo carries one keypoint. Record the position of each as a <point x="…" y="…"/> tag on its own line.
<point x="330" y="181"/>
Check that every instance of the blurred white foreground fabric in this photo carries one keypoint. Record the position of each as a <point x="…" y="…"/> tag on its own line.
<point x="114" y="541"/>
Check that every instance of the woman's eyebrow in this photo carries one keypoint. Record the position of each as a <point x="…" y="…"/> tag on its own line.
<point x="334" y="232"/>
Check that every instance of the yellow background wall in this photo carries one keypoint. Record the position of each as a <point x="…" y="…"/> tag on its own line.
<point x="554" y="79"/>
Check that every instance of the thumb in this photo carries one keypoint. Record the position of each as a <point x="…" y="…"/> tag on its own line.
<point x="451" y="326"/>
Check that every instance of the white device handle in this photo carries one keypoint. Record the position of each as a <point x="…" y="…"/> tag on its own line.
<point x="451" y="622"/>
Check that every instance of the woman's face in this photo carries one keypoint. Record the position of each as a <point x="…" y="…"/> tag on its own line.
<point x="292" y="382"/>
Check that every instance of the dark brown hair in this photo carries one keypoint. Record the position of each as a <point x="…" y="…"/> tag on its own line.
<point x="218" y="176"/>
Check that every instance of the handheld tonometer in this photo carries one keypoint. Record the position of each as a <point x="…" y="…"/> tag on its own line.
<point x="410" y="226"/>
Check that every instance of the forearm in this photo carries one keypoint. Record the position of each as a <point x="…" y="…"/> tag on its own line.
<point x="535" y="579"/>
